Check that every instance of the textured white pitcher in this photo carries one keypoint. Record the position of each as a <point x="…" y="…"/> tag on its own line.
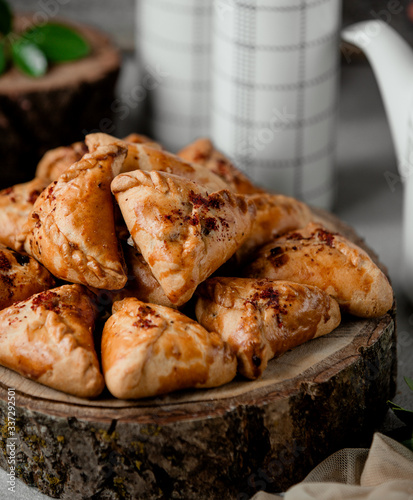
<point x="275" y="66"/>
<point x="259" y="77"/>
<point x="173" y="39"/>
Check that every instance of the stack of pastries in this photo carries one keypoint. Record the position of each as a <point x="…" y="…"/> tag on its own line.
<point x="124" y="234"/>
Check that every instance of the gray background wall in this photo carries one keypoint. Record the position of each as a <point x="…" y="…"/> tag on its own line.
<point x="116" y="17"/>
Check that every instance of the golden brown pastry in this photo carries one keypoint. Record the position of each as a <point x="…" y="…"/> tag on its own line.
<point x="16" y="203"/>
<point x="21" y="276"/>
<point x="264" y="318"/>
<point x="98" y="139"/>
<point x="276" y="214"/>
<point x="141" y="139"/>
<point x="141" y="283"/>
<point x="145" y="157"/>
<point x="149" y="350"/>
<point x="71" y="230"/>
<point x="162" y="161"/>
<point x="203" y="152"/>
<point x="131" y="161"/>
<point x="48" y="338"/>
<point x="315" y="256"/>
<point x="183" y="233"/>
<point x="56" y="161"/>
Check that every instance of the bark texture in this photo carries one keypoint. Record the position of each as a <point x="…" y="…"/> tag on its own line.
<point x="227" y="443"/>
<point x="55" y="110"/>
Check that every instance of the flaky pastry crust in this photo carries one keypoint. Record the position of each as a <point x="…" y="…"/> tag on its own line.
<point x="141" y="283"/>
<point x="315" y="256"/>
<point x="71" y="229"/>
<point x="56" y="161"/>
<point x="149" y="350"/>
<point x="203" y="152"/>
<point x="131" y="162"/>
<point x="48" y="338"/>
<point x="21" y="276"/>
<point x="276" y="214"/>
<point x="142" y="139"/>
<point x="183" y="233"/>
<point x="16" y="204"/>
<point x="146" y="157"/>
<point x="262" y="319"/>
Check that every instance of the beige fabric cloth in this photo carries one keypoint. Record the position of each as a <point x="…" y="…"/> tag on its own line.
<point x="385" y="472"/>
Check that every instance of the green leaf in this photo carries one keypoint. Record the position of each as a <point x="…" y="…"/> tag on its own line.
<point x="59" y="43"/>
<point x="29" y="58"/>
<point x="6" y="18"/>
<point x="406" y="416"/>
<point x="3" y="59"/>
<point x="409" y="382"/>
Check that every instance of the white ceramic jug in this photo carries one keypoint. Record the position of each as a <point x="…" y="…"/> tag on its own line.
<point x="275" y="90"/>
<point x="392" y="61"/>
<point x="260" y="77"/>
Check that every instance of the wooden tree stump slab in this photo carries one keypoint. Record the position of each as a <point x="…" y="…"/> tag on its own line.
<point x="55" y="110"/>
<point x="227" y="442"/>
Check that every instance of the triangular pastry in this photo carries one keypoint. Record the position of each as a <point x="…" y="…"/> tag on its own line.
<point x="315" y="256"/>
<point x="16" y="204"/>
<point x="146" y="157"/>
<point x="56" y="161"/>
<point x="71" y="230"/>
<point x="148" y="350"/>
<point x="48" y="338"/>
<point x="261" y="319"/>
<point x="141" y="283"/>
<point x="183" y="233"/>
<point x="99" y="139"/>
<point x="203" y="152"/>
<point x="141" y="139"/>
<point x="276" y="215"/>
<point x="20" y="277"/>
